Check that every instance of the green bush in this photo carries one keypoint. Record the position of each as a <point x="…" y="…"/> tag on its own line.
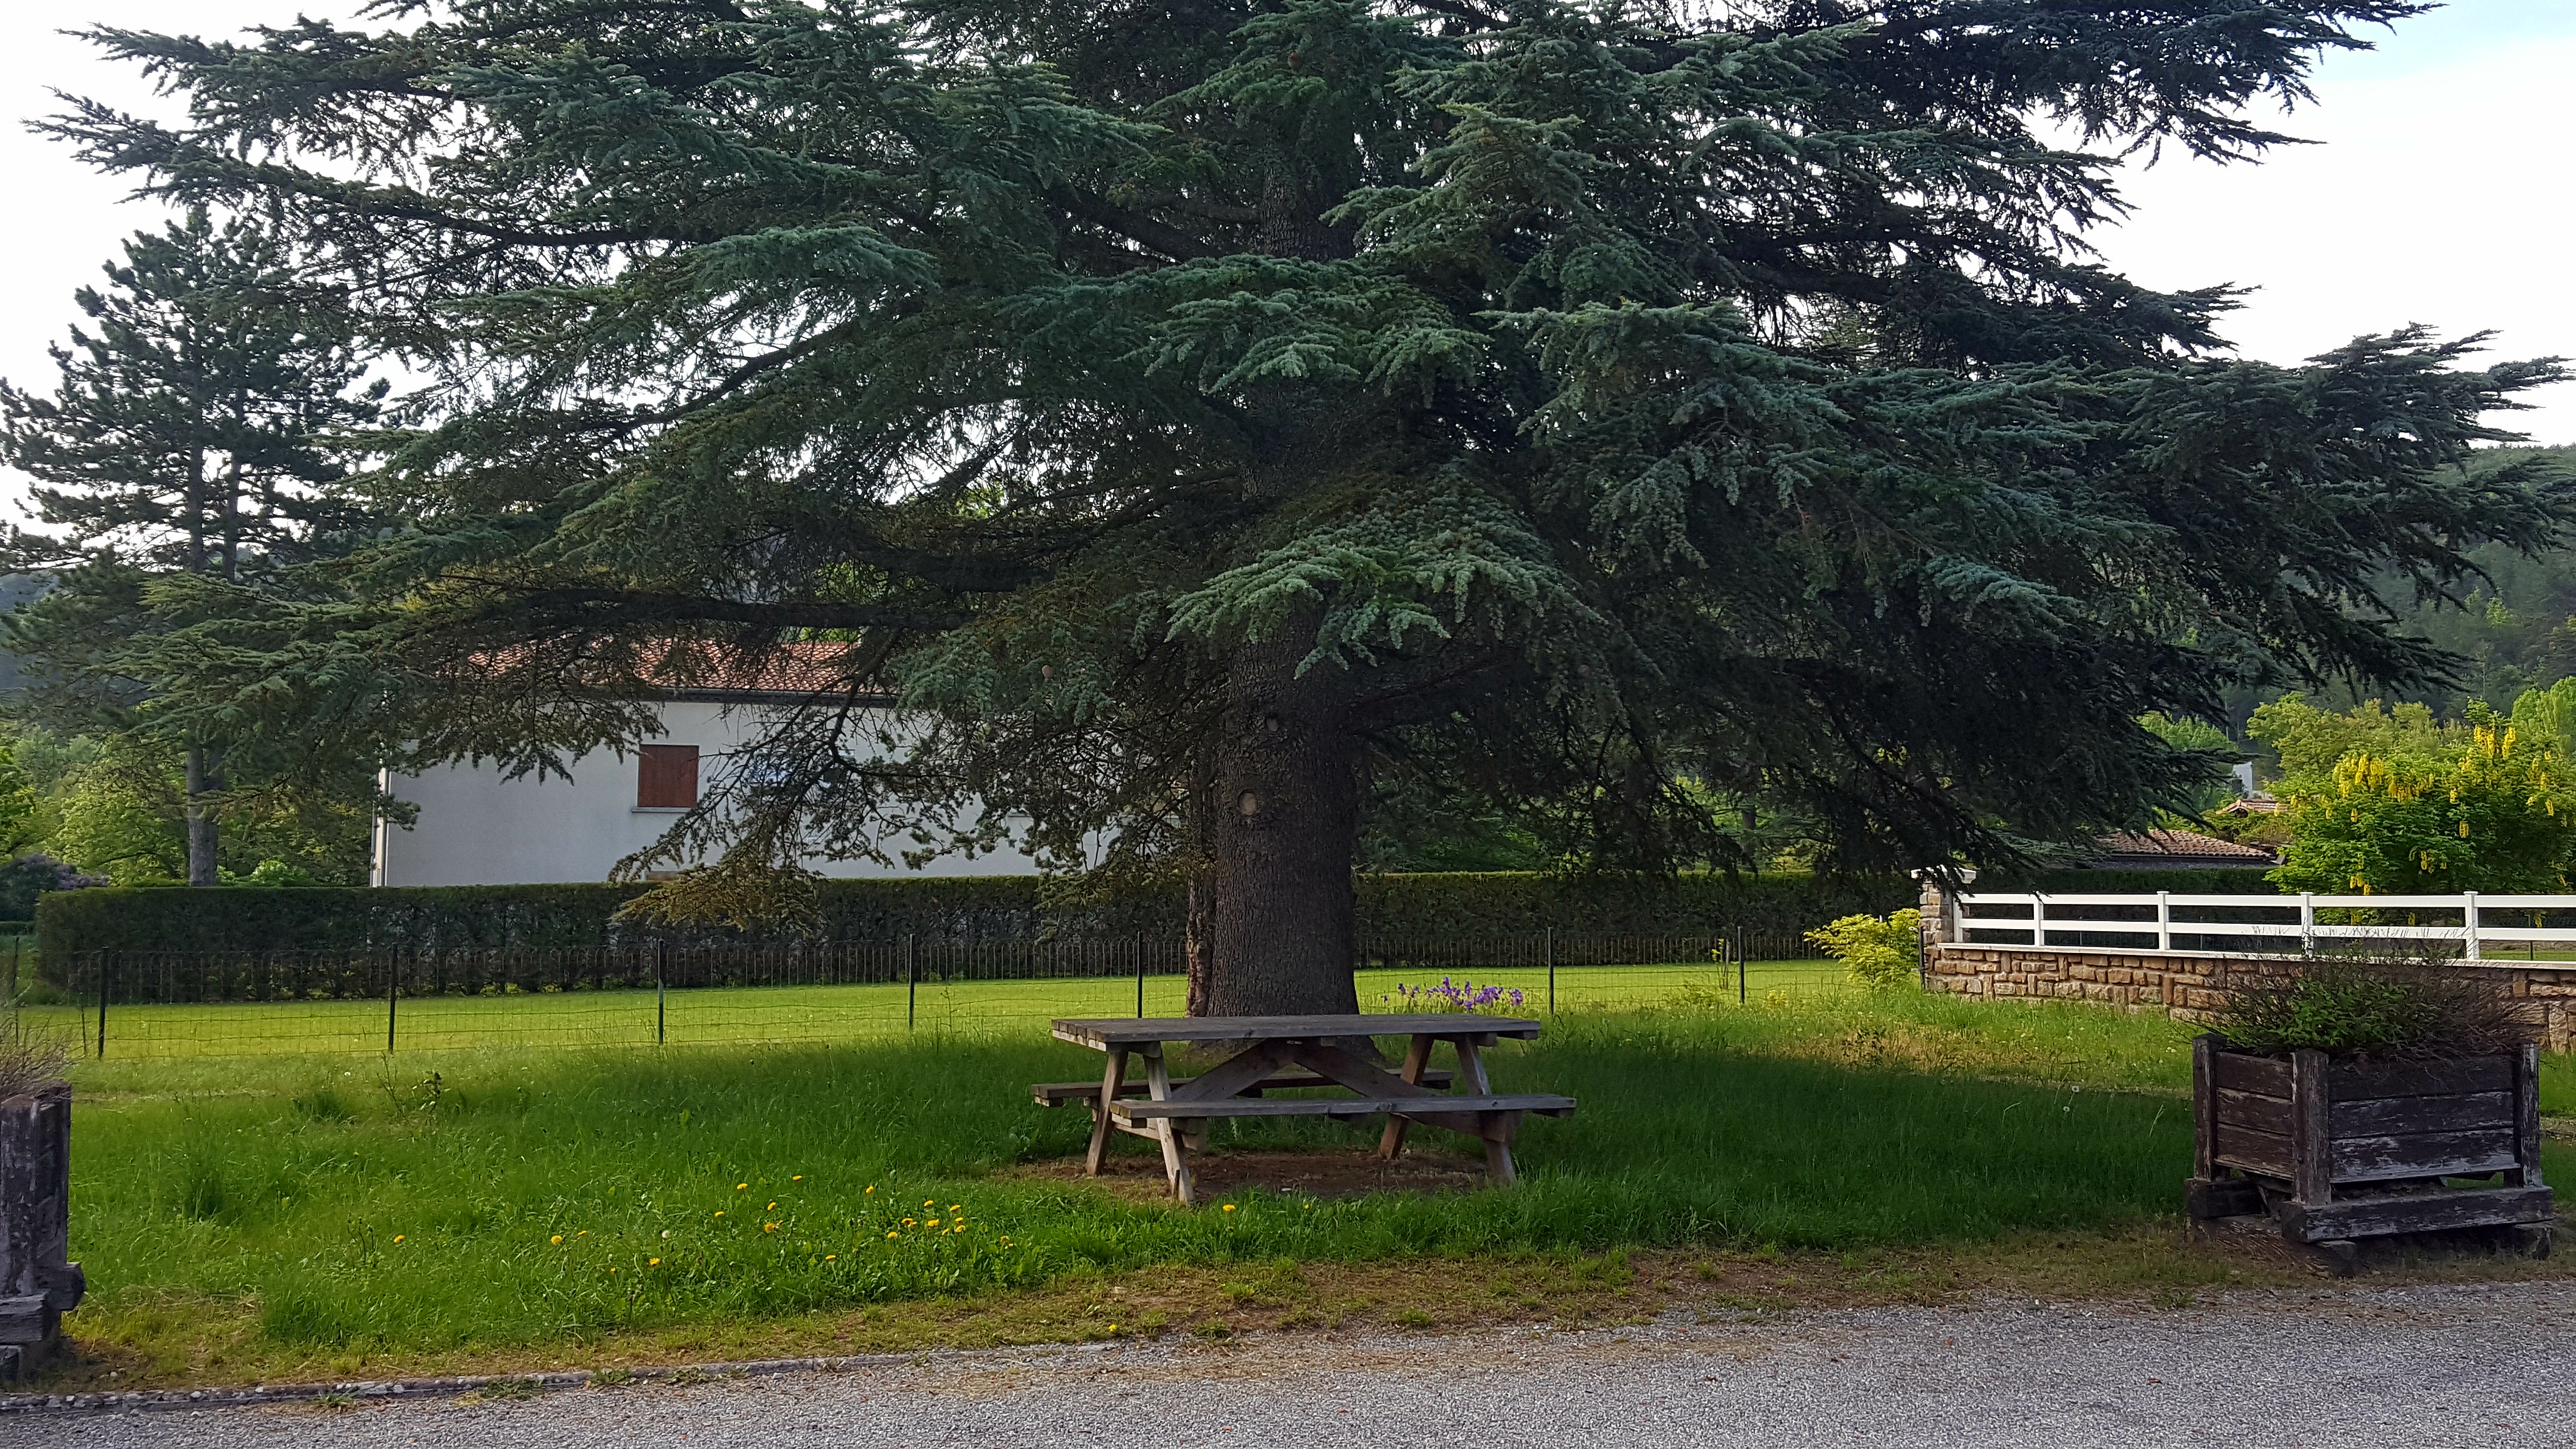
<point x="1878" y="953"/>
<point x="947" y="908"/>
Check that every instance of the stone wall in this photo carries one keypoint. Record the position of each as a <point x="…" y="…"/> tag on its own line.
<point x="2191" y="984"/>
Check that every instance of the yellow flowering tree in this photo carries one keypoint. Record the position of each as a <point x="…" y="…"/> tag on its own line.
<point x="2496" y="816"/>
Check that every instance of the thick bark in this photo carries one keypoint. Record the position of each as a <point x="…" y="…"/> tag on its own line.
<point x="1283" y="821"/>
<point x="202" y="779"/>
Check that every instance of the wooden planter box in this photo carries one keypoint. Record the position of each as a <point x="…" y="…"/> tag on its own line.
<point x="37" y="1284"/>
<point x="2339" y="1150"/>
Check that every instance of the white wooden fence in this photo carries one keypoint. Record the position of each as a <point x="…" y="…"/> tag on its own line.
<point x="2493" y="928"/>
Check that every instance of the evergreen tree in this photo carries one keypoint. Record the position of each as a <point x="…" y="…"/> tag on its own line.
<point x="187" y="436"/>
<point x="1204" y="412"/>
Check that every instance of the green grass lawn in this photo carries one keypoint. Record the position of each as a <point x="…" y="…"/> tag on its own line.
<point x="817" y="1014"/>
<point x="294" y="1208"/>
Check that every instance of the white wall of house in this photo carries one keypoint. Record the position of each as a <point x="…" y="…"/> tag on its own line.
<point x="477" y="828"/>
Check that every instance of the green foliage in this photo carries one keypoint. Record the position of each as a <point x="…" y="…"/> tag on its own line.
<point x="2358" y="1007"/>
<point x="2210" y="745"/>
<point x="2251" y="881"/>
<point x="185" y="444"/>
<point x="1878" y="953"/>
<point x="1537" y="407"/>
<point x="2312" y="741"/>
<point x="966" y="908"/>
<point x="2497" y="815"/>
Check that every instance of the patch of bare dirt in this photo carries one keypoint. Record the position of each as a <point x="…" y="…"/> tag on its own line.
<point x="1338" y="1173"/>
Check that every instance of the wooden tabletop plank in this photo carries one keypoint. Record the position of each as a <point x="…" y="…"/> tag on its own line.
<point x="1105" y="1032"/>
<point x="1544" y="1103"/>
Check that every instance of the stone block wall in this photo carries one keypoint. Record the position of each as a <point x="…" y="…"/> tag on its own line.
<point x="2193" y="984"/>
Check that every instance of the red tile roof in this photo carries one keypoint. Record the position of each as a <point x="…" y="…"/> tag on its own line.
<point x="2180" y="847"/>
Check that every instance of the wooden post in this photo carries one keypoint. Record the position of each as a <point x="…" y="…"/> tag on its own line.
<point x="2311" y="1151"/>
<point x="2164" y="920"/>
<point x="1548" y="947"/>
<point x="2204" y="1110"/>
<point x="2526" y="1116"/>
<point x="2469" y="922"/>
<point x="1111" y="1081"/>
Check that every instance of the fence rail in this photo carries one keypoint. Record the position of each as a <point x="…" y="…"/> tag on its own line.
<point x="207" y="1003"/>
<point x="2474" y="927"/>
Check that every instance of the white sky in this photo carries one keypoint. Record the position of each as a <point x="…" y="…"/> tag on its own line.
<point x="2441" y="193"/>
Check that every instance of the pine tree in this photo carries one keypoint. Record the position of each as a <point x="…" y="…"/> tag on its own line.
<point x="1207" y="412"/>
<point x="188" y="435"/>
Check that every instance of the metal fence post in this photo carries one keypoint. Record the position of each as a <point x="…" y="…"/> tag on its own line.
<point x="393" y="981"/>
<point x="1550" y="951"/>
<point x="104" y="971"/>
<point x="1140" y="977"/>
<point x="1742" y="991"/>
<point x="2469" y="922"/>
<point x="661" y="997"/>
<point x="911" y="985"/>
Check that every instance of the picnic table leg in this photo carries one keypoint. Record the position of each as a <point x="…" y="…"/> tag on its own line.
<point x="1176" y="1162"/>
<point x="1110" y="1082"/>
<point x="1497" y="1129"/>
<point x="1416" y="1057"/>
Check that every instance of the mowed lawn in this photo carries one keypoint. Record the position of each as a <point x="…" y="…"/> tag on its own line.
<point x="427" y="1202"/>
<point x="825" y="1014"/>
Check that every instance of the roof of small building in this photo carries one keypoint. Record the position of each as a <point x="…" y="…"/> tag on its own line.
<point x="2176" y="847"/>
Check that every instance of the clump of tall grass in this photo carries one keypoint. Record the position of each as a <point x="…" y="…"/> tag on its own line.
<point x="2376" y="1006"/>
<point x="29" y="1055"/>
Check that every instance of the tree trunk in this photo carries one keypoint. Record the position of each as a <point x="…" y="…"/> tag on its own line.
<point x="1283" y="822"/>
<point x="202" y="778"/>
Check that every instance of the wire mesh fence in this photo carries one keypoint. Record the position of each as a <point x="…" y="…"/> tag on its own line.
<point x="173" y="1004"/>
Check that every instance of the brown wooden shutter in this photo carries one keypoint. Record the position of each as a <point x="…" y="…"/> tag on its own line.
<point x="666" y="777"/>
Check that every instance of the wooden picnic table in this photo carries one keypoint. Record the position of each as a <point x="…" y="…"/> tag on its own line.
<point x="1287" y="1052"/>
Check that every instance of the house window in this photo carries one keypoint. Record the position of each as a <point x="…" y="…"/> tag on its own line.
<point x="666" y="777"/>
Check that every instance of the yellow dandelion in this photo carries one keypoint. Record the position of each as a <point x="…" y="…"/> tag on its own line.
<point x="800" y="1177"/>
<point x="719" y="1212"/>
<point x="872" y="1187"/>
<point x="894" y="1235"/>
<point x="739" y="1186"/>
<point x="652" y="1262"/>
<point x="827" y="1257"/>
<point x="930" y="1202"/>
<point x="1229" y="1207"/>
<point x="773" y="1207"/>
<point x="398" y="1237"/>
<point x="934" y="1222"/>
<point x="769" y="1227"/>
<point x="557" y="1238"/>
<point x="952" y="1207"/>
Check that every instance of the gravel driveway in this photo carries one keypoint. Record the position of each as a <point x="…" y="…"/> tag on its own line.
<point x="2489" y="1365"/>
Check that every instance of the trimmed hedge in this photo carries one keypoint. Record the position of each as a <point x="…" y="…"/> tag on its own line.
<point x="952" y="908"/>
<point x="2229" y="882"/>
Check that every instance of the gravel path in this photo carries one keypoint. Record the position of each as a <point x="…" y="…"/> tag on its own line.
<point x="2491" y="1365"/>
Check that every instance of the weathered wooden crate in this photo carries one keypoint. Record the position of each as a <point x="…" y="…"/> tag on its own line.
<point x="2339" y="1150"/>
<point x="37" y="1282"/>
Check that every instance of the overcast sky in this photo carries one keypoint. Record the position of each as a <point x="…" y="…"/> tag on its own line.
<point x="2440" y="192"/>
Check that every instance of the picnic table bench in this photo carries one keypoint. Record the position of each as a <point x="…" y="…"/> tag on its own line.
<point x="1289" y="1052"/>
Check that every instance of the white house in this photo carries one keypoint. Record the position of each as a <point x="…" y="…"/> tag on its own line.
<point x="477" y="828"/>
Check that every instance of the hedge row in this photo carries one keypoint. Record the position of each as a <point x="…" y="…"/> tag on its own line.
<point x="972" y="908"/>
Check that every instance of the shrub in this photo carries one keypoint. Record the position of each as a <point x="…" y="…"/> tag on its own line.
<point x="2365" y="1006"/>
<point x="1879" y="953"/>
<point x="36" y="874"/>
